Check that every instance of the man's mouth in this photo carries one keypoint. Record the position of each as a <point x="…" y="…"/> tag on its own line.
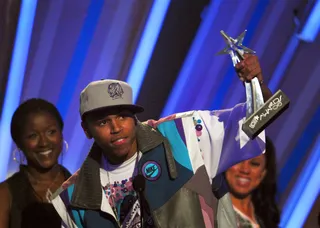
<point x="119" y="141"/>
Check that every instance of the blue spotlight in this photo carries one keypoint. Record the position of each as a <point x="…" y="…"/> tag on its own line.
<point x="312" y="27"/>
<point x="15" y="79"/>
<point x="283" y="64"/>
<point x="309" y="33"/>
<point x="146" y="45"/>
<point x="305" y="192"/>
<point x="178" y="90"/>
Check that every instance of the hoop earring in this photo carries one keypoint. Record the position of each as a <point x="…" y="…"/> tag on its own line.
<point x="64" y="151"/>
<point x="66" y="145"/>
<point x="14" y="153"/>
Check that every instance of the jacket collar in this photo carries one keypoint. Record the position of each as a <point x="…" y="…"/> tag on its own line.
<point x="87" y="191"/>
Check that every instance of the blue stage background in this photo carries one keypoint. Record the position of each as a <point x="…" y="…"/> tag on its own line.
<point x="166" y="50"/>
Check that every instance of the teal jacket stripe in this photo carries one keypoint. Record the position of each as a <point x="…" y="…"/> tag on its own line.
<point x="78" y="215"/>
<point x="179" y="149"/>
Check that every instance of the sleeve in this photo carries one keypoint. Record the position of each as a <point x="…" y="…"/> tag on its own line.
<point x="221" y="140"/>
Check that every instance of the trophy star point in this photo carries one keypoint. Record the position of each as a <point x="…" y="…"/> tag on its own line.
<point x="234" y="44"/>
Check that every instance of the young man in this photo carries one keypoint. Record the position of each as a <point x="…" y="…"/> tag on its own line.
<point x="158" y="173"/>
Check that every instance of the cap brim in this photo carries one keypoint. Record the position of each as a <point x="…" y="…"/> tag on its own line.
<point x="133" y="108"/>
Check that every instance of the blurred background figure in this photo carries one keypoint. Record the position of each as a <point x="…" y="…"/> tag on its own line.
<point x="36" y="129"/>
<point x="252" y="184"/>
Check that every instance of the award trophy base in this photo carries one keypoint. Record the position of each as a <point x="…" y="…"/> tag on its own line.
<point x="266" y="114"/>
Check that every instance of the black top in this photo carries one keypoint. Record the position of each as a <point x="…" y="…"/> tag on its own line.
<point x="26" y="211"/>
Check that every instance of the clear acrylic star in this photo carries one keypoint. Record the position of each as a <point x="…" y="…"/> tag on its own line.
<point x="235" y="47"/>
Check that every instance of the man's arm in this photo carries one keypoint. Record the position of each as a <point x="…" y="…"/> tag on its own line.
<point x="217" y="136"/>
<point x="5" y="199"/>
<point x="222" y="141"/>
<point x="250" y="68"/>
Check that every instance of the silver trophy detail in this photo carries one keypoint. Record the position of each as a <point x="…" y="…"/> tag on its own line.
<point x="258" y="114"/>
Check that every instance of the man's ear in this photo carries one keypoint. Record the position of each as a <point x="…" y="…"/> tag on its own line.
<point x="86" y="129"/>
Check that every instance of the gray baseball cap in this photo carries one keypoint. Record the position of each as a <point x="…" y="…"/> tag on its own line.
<point x="107" y="94"/>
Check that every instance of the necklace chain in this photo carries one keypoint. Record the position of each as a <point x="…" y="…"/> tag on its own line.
<point x="114" y="208"/>
<point x="48" y="192"/>
<point x="113" y="201"/>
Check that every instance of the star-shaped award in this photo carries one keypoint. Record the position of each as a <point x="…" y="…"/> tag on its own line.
<point x="234" y="47"/>
<point x="259" y="115"/>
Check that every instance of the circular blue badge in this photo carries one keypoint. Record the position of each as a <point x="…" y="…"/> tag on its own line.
<point x="151" y="170"/>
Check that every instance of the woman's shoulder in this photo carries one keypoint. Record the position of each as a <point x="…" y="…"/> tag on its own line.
<point x="5" y="199"/>
<point x="5" y="195"/>
<point x="17" y="185"/>
<point x="4" y="188"/>
<point x="14" y="179"/>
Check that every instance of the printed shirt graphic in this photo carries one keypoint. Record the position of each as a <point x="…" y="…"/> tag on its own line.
<point x="244" y="221"/>
<point x="121" y="194"/>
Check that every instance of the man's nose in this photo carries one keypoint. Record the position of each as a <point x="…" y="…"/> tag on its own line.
<point x="115" y="127"/>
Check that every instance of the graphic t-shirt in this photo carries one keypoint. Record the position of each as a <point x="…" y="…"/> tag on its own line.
<point x="117" y="182"/>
